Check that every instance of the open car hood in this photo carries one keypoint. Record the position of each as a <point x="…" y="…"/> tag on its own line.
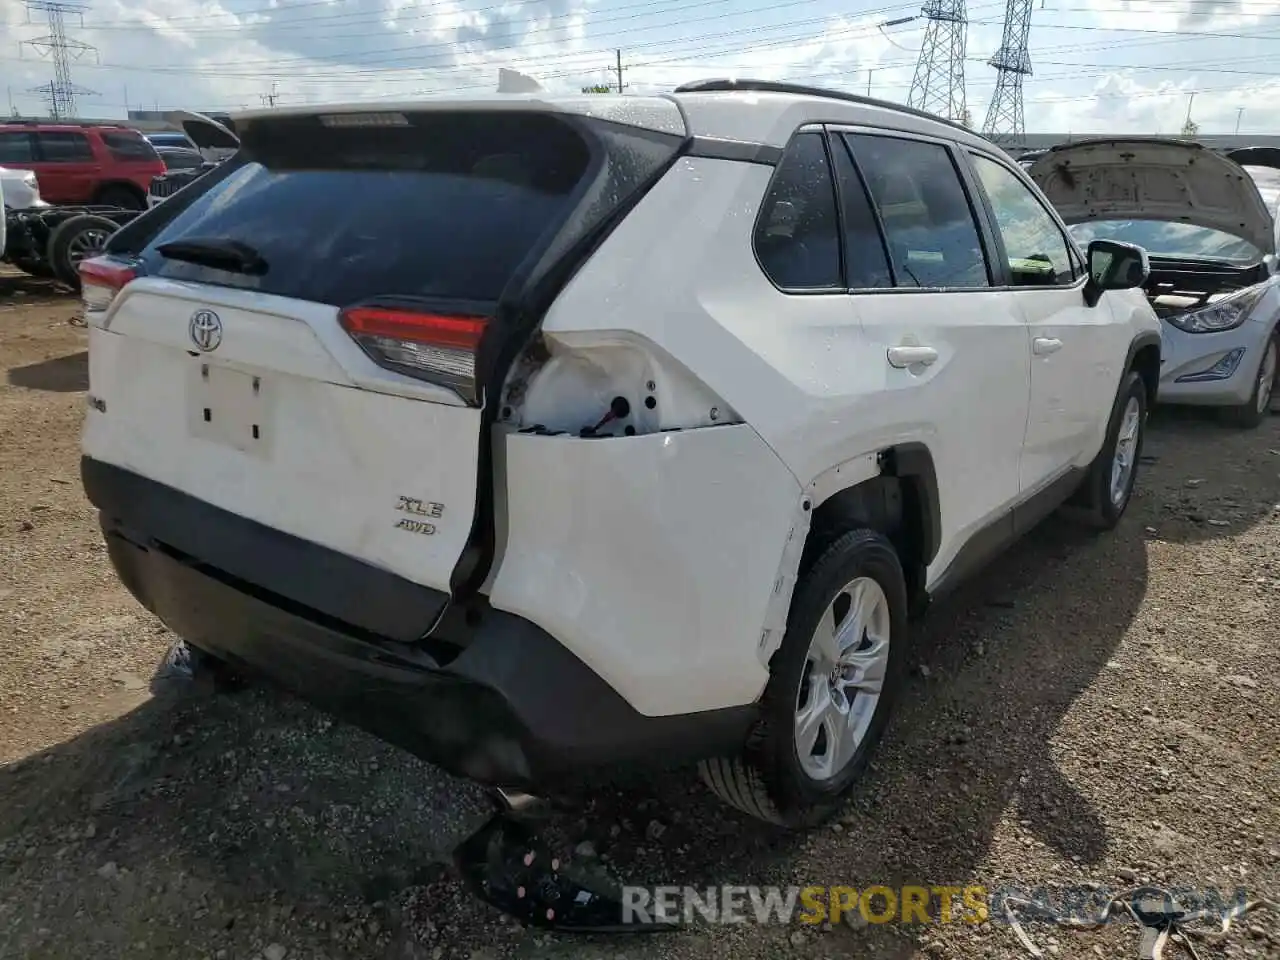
<point x="205" y="132"/>
<point x="1151" y="178"/>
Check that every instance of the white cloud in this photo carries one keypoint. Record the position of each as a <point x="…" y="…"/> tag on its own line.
<point x="1100" y="65"/>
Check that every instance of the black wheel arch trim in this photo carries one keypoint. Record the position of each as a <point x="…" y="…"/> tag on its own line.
<point x="913" y="460"/>
<point x="1148" y="338"/>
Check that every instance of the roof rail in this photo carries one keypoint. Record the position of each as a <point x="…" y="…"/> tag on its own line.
<point x="50" y="122"/>
<point x="802" y="90"/>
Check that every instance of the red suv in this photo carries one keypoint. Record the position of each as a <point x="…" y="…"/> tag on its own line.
<point x="82" y="162"/>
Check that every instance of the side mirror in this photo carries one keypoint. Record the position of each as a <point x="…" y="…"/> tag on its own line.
<point x="1114" y="265"/>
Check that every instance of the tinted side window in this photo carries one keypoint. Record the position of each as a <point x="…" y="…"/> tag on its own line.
<point x="64" y="147"/>
<point x="932" y="235"/>
<point x="128" y="146"/>
<point x="866" y="260"/>
<point x="15" y="148"/>
<point x="1038" y="253"/>
<point x="796" y="239"/>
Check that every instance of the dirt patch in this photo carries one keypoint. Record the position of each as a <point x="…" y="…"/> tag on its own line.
<point x="1090" y="709"/>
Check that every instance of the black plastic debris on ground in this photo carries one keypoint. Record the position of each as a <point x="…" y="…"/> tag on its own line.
<point x="507" y="866"/>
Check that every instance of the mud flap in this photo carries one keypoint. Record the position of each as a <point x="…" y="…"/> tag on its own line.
<point x="508" y="867"/>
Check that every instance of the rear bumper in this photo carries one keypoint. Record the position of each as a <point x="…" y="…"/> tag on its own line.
<point x="493" y="697"/>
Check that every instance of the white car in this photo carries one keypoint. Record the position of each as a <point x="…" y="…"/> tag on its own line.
<point x="1208" y="227"/>
<point x="543" y="436"/>
<point x="20" y="189"/>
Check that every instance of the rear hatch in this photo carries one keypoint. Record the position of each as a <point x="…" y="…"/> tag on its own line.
<point x="308" y="335"/>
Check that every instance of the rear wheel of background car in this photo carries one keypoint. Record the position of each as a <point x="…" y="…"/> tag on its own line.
<point x="1252" y="412"/>
<point x="76" y="239"/>
<point x="1108" y="486"/>
<point x="830" y="690"/>
<point x="121" y="197"/>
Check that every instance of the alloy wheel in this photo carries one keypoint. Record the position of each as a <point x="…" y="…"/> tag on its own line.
<point x="1125" y="457"/>
<point x="844" y="673"/>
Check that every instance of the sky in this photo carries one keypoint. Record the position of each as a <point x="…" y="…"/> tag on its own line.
<point x="1099" y="66"/>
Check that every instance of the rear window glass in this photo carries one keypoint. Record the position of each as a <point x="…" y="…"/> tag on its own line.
<point x="446" y="206"/>
<point x="128" y="146"/>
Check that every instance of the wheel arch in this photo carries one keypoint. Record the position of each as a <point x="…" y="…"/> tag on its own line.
<point x="127" y="185"/>
<point x="894" y="491"/>
<point x="1144" y="356"/>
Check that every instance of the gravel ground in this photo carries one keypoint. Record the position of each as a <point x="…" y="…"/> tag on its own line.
<point x="1089" y="709"/>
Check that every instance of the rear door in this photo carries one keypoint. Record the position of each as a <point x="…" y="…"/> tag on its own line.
<point x="68" y="170"/>
<point x="133" y="155"/>
<point x="300" y="346"/>
<point x="954" y="346"/>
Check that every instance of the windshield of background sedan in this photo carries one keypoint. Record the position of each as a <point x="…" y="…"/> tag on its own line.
<point x="1163" y="239"/>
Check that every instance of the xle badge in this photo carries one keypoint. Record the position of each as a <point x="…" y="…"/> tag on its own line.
<point x="419" y="509"/>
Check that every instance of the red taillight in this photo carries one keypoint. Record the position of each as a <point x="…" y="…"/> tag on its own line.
<point x="440" y="348"/>
<point x="100" y="280"/>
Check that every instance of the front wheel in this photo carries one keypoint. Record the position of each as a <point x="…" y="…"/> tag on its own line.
<point x="1253" y="411"/>
<point x="1108" y="486"/>
<point x="830" y="690"/>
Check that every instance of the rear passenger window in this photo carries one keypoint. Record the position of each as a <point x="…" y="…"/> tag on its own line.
<point x="928" y="222"/>
<point x="58" y="146"/>
<point x="866" y="260"/>
<point x="797" y="238"/>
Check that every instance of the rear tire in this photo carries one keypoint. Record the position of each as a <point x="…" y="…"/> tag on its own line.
<point x="1250" y="414"/>
<point x="75" y="239"/>
<point x="821" y="715"/>
<point x="1107" y="488"/>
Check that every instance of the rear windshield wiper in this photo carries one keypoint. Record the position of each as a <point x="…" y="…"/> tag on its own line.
<point x="216" y="252"/>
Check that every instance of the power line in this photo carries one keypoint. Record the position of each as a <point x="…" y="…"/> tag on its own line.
<point x="422" y="55"/>
<point x="617" y="71"/>
<point x="938" y="84"/>
<point x="60" y="93"/>
<point x="1013" y="63"/>
<point x="321" y="73"/>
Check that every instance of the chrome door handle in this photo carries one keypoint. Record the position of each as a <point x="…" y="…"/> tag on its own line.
<point x="1043" y="346"/>
<point x="909" y="356"/>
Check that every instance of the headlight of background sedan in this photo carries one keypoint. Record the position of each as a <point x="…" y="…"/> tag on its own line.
<point x="1227" y="314"/>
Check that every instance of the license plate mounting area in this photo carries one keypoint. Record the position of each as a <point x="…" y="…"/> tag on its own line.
<point x="231" y="407"/>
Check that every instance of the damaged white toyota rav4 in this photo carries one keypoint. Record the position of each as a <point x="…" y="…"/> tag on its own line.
<point x="542" y="436"/>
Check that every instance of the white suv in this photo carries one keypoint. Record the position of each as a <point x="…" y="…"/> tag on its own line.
<point x="542" y="435"/>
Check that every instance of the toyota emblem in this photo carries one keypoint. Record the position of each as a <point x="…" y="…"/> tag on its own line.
<point x="206" y="330"/>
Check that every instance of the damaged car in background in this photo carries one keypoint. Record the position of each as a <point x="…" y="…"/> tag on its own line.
<point x="215" y="143"/>
<point x="1208" y="226"/>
